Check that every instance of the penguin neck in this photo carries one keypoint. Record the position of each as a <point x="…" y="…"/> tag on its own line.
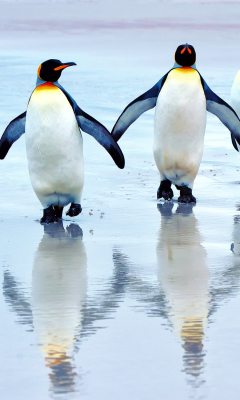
<point x="175" y="65"/>
<point x="41" y="82"/>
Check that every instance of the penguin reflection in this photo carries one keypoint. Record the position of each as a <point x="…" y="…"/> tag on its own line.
<point x="184" y="276"/>
<point x="59" y="286"/>
<point x="230" y="278"/>
<point x="235" y="246"/>
<point x="59" y="311"/>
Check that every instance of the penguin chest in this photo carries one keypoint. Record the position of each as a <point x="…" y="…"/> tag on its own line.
<point x="180" y="121"/>
<point x="53" y="142"/>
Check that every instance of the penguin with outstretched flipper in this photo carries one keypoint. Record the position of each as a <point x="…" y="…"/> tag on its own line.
<point x="52" y="125"/>
<point x="181" y="98"/>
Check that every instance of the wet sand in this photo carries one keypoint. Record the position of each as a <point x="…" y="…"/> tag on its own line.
<point x="133" y="299"/>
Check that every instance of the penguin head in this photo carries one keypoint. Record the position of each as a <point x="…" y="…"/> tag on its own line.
<point x="51" y="70"/>
<point x="185" y="55"/>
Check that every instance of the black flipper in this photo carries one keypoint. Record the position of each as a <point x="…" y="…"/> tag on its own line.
<point x="137" y="107"/>
<point x="94" y="128"/>
<point x="234" y="142"/>
<point x="224" y="112"/>
<point x="91" y="126"/>
<point x="12" y="133"/>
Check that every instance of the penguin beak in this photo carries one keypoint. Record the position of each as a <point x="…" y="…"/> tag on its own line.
<point x="69" y="64"/>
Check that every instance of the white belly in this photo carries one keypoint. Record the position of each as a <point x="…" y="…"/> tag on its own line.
<point x="235" y="94"/>
<point x="54" y="148"/>
<point x="180" y="121"/>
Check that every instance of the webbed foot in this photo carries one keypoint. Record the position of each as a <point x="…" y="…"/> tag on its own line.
<point x="165" y="190"/>
<point x="186" y="195"/>
<point x="74" y="210"/>
<point x="49" y="216"/>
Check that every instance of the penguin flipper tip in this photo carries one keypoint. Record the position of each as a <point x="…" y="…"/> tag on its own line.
<point x="4" y="148"/>
<point x="13" y="132"/>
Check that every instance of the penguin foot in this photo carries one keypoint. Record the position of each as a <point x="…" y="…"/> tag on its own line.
<point x="74" y="210"/>
<point x="187" y="198"/>
<point x="186" y="195"/>
<point x="167" y="194"/>
<point x="165" y="190"/>
<point x="49" y="216"/>
<point x="58" y="210"/>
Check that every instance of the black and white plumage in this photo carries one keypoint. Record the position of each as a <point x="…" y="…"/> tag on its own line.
<point x="52" y="125"/>
<point x="181" y="98"/>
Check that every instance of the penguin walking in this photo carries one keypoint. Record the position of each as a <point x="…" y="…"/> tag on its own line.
<point x="52" y="125"/>
<point x="181" y="98"/>
<point x="235" y="94"/>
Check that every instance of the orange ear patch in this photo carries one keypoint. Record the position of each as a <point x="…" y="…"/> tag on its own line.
<point x="183" y="50"/>
<point x="38" y="71"/>
<point x="190" y="51"/>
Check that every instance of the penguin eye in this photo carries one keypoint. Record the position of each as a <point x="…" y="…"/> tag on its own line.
<point x="190" y="51"/>
<point x="183" y="50"/>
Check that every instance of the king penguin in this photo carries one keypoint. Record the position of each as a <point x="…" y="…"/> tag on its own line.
<point x="52" y="125"/>
<point x="181" y="98"/>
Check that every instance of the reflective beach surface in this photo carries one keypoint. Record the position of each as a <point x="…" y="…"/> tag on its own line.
<point x="134" y="298"/>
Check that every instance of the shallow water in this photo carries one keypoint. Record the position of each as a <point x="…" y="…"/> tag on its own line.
<point x="133" y="299"/>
